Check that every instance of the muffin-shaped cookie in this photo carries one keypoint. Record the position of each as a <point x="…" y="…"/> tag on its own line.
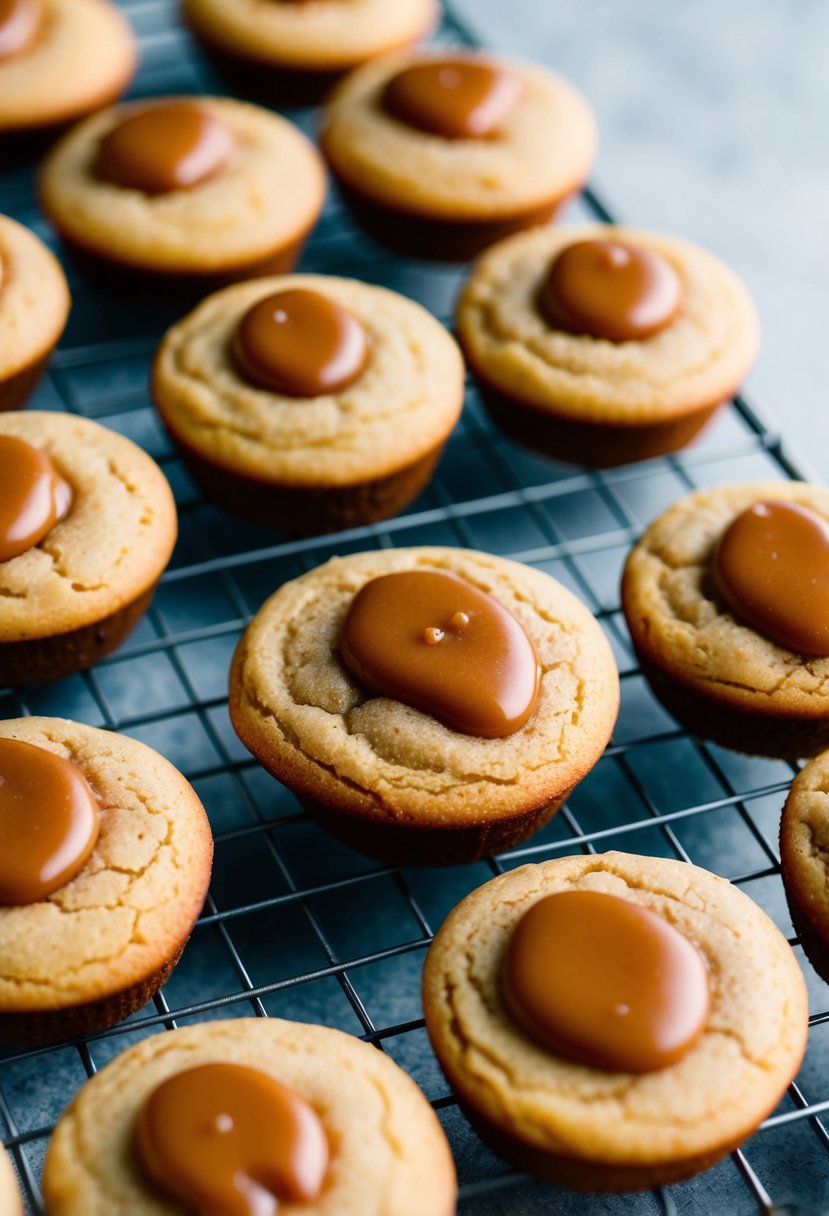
<point x="60" y="60"/>
<point x="87" y="525"/>
<point x="441" y="153"/>
<point x="105" y="865"/>
<point x="386" y="1153"/>
<point x="186" y="186"/>
<point x="727" y="602"/>
<point x="603" y="345"/>
<point x="614" y="1022"/>
<point x="428" y="706"/>
<point x="10" y="1201"/>
<point x="34" y="305"/>
<point x="804" y="851"/>
<point x="309" y="403"/>
<point x="309" y="45"/>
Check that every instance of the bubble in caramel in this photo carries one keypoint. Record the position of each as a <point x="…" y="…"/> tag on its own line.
<point x="301" y="344"/>
<point x="230" y="1139"/>
<point x="771" y="567"/>
<point x="34" y="496"/>
<point x="49" y="822"/>
<point x="433" y="641"/>
<point x="20" y="23"/>
<point x="166" y="146"/>
<point x="610" y="289"/>
<point x="605" y="982"/>
<point x="456" y="98"/>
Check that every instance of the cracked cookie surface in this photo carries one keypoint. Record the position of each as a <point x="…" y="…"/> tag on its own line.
<point x="128" y="912"/>
<point x="297" y="707"/>
<point x="263" y="201"/>
<point x="804" y="859"/>
<point x="389" y="1156"/>
<point x="34" y="300"/>
<point x="665" y="1123"/>
<point x="699" y="358"/>
<point x="400" y="408"/>
<point x="109" y="550"/>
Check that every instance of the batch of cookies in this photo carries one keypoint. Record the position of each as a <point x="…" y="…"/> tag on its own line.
<point x="608" y="1022"/>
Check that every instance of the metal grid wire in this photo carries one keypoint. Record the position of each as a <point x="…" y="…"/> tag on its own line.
<point x="297" y="925"/>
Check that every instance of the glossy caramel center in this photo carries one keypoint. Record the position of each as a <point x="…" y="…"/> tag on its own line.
<point x="612" y="290"/>
<point x="20" y="23"/>
<point x="231" y="1140"/>
<point x="300" y="343"/>
<point x="49" y="822"/>
<point x="455" y="98"/>
<point x="437" y="643"/>
<point x="771" y="567"/>
<point x="33" y="499"/>
<point x="167" y="146"/>
<point x="605" y="982"/>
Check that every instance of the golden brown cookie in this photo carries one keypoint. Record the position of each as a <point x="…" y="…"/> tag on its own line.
<point x="34" y="305"/>
<point x="804" y="853"/>
<point x="53" y="71"/>
<point x="262" y="192"/>
<point x="438" y="197"/>
<point x="392" y="780"/>
<point x="588" y="399"/>
<point x="99" y="947"/>
<point x="602" y="1130"/>
<point x="10" y="1202"/>
<point x="336" y="458"/>
<point x="720" y="676"/>
<point x="389" y="1156"/>
<point x="75" y="595"/>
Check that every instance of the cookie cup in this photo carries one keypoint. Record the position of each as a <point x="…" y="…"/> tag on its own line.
<point x="804" y="850"/>
<point x="598" y="1130"/>
<point x="718" y="676"/>
<point x="391" y="780"/>
<point x="97" y="949"/>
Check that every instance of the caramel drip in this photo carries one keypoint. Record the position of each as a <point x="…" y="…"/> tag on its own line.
<point x="610" y="289"/>
<point x="49" y="822"/>
<point x="300" y="343"/>
<point x="605" y="982"/>
<point x="20" y="24"/>
<point x="229" y="1139"/>
<point x="771" y="567"/>
<point x="437" y="643"/>
<point x="454" y="98"/>
<point x="165" y="146"/>
<point x="34" y="497"/>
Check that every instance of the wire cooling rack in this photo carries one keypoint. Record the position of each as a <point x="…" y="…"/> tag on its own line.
<point x="296" y="925"/>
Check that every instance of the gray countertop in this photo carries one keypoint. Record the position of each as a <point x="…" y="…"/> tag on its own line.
<point x="712" y="121"/>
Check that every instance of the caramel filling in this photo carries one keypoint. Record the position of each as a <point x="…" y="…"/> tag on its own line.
<point x="20" y="24"/>
<point x="437" y="643"/>
<point x="771" y="567"/>
<point x="609" y="289"/>
<point x="49" y="822"/>
<point x="300" y="343"/>
<point x="229" y="1139"/>
<point x="605" y="982"/>
<point x="454" y="98"/>
<point x="167" y="146"/>
<point x="34" y="496"/>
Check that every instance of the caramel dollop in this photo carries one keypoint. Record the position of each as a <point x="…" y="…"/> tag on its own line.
<point x="230" y="1139"/>
<point x="300" y="343"/>
<point x="610" y="289"/>
<point x="455" y="98"/>
<point x="49" y="822"/>
<point x="34" y="496"/>
<point x="771" y="567"/>
<point x="433" y="641"/>
<point x="606" y="982"/>
<point x="20" y="24"/>
<point x="165" y="146"/>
